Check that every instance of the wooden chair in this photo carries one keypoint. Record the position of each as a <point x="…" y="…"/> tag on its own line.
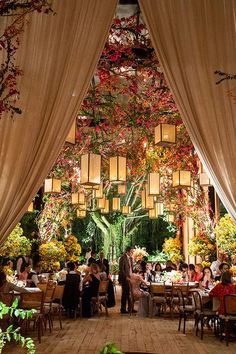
<point x="101" y="298"/>
<point x="29" y="301"/>
<point x="56" y="305"/>
<point x="158" y="297"/>
<point x="173" y="302"/>
<point x="229" y="318"/>
<point x="202" y="314"/>
<point x="48" y="290"/>
<point x="132" y="297"/>
<point x="184" y="309"/>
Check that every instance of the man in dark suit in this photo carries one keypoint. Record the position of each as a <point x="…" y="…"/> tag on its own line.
<point x="104" y="261"/>
<point x="125" y="269"/>
<point x="92" y="259"/>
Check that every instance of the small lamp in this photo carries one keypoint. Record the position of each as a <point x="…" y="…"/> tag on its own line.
<point x="52" y="185"/>
<point x="117" y="169"/>
<point x="165" y="134"/>
<point x="181" y="178"/>
<point x="90" y="174"/>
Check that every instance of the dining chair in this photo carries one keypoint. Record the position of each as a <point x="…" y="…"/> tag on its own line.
<point x="29" y="301"/>
<point x="173" y="302"/>
<point x="229" y="318"/>
<point x="56" y="305"/>
<point x="185" y="310"/>
<point x="158" y="298"/>
<point x="101" y="299"/>
<point x="202" y="315"/>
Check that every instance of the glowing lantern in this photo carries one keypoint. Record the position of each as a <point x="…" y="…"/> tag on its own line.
<point x="72" y="134"/>
<point x="170" y="218"/>
<point x="116" y="204"/>
<point x="90" y="170"/>
<point x="159" y="207"/>
<point x="31" y="207"/>
<point x="106" y="209"/>
<point x="78" y="198"/>
<point x="117" y="169"/>
<point x="121" y="189"/>
<point x="126" y="209"/>
<point x="152" y="214"/>
<point x="52" y="185"/>
<point x="204" y="180"/>
<point x="153" y="183"/>
<point x="101" y="203"/>
<point x="165" y="134"/>
<point x="81" y="213"/>
<point x="99" y="191"/>
<point x="181" y="178"/>
<point x="170" y="207"/>
<point x="147" y="200"/>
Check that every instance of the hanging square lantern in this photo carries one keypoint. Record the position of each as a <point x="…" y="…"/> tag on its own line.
<point x="52" y="185"/>
<point x="101" y="203"/>
<point x="147" y="201"/>
<point x="117" y="169"/>
<point x="165" y="134"/>
<point x="31" y="207"/>
<point x="153" y="183"/>
<point x="106" y="209"/>
<point x="159" y="207"/>
<point x="81" y="213"/>
<point x="170" y="207"/>
<point x="204" y="180"/>
<point x="126" y="209"/>
<point x="99" y="191"/>
<point x="116" y="204"/>
<point x="121" y="189"/>
<point x="170" y="218"/>
<point x="90" y="174"/>
<point x="83" y="206"/>
<point x="72" y="134"/>
<point x="181" y="178"/>
<point x="152" y="214"/>
<point x="78" y="198"/>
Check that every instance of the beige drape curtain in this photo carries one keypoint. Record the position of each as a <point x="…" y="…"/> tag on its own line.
<point x="193" y="39"/>
<point x="58" y="55"/>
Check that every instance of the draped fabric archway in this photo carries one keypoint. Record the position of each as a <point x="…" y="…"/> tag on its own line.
<point x="193" y="39"/>
<point x="58" y="55"/>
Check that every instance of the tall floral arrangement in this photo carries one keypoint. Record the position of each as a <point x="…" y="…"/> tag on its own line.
<point x="173" y="248"/>
<point x="51" y="254"/>
<point x="16" y="244"/>
<point x="139" y="253"/>
<point x="202" y="245"/>
<point x="225" y="232"/>
<point x="72" y="247"/>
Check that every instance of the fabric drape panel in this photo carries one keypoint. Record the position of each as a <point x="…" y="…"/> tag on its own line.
<point x="193" y="39"/>
<point x="58" y="54"/>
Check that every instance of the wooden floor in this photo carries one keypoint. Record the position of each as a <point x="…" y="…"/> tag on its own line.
<point x="135" y="334"/>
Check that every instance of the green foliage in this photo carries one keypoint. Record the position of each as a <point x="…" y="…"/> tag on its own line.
<point x="29" y="225"/>
<point x="110" y="348"/>
<point x="11" y="333"/>
<point x="16" y="244"/>
<point x="159" y="257"/>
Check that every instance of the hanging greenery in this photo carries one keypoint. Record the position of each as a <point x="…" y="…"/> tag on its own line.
<point x="16" y="244"/>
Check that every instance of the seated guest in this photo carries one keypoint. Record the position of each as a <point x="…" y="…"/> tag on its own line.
<point x="197" y="276"/>
<point x="32" y="279"/>
<point x="169" y="266"/>
<point x="7" y="287"/>
<point x="224" y="267"/>
<point x="92" y="259"/>
<point x="207" y="280"/>
<point x="71" y="294"/>
<point x="24" y="274"/>
<point x="191" y="272"/>
<point x="184" y="270"/>
<point x="90" y="288"/>
<point x="136" y="280"/>
<point x="157" y="272"/>
<point x="225" y="287"/>
<point x="215" y="265"/>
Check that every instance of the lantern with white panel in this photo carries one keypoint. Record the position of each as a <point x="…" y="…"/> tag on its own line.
<point x="159" y="207"/>
<point x="153" y="183"/>
<point x="81" y="214"/>
<point x="31" y="207"/>
<point x="152" y="214"/>
<point x="99" y="191"/>
<point x="90" y="174"/>
<point x="121" y="189"/>
<point x="126" y="209"/>
<point x="106" y="209"/>
<point x="52" y="185"/>
<point x="117" y="169"/>
<point x="181" y="178"/>
<point x="77" y="198"/>
<point x="101" y="203"/>
<point x="116" y="204"/>
<point x="72" y="134"/>
<point x="165" y="134"/>
<point x="147" y="201"/>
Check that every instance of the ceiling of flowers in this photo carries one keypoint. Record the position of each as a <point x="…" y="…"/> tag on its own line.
<point x="129" y="97"/>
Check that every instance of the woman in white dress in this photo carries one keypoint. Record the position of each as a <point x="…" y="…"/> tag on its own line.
<point x="144" y="297"/>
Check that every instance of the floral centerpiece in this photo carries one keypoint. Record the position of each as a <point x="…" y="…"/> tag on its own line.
<point x="172" y="277"/>
<point x="51" y="254"/>
<point x="173" y="247"/>
<point x="226" y="234"/>
<point x="201" y="245"/>
<point x="139" y="253"/>
<point x="16" y="244"/>
<point x="73" y="248"/>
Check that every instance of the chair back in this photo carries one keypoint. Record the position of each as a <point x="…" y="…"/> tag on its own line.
<point x="230" y="305"/>
<point x="58" y="292"/>
<point x="34" y="300"/>
<point x="197" y="300"/>
<point x="183" y="287"/>
<point x="103" y="286"/>
<point x="157" y="289"/>
<point x="6" y="298"/>
<point x="181" y="297"/>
